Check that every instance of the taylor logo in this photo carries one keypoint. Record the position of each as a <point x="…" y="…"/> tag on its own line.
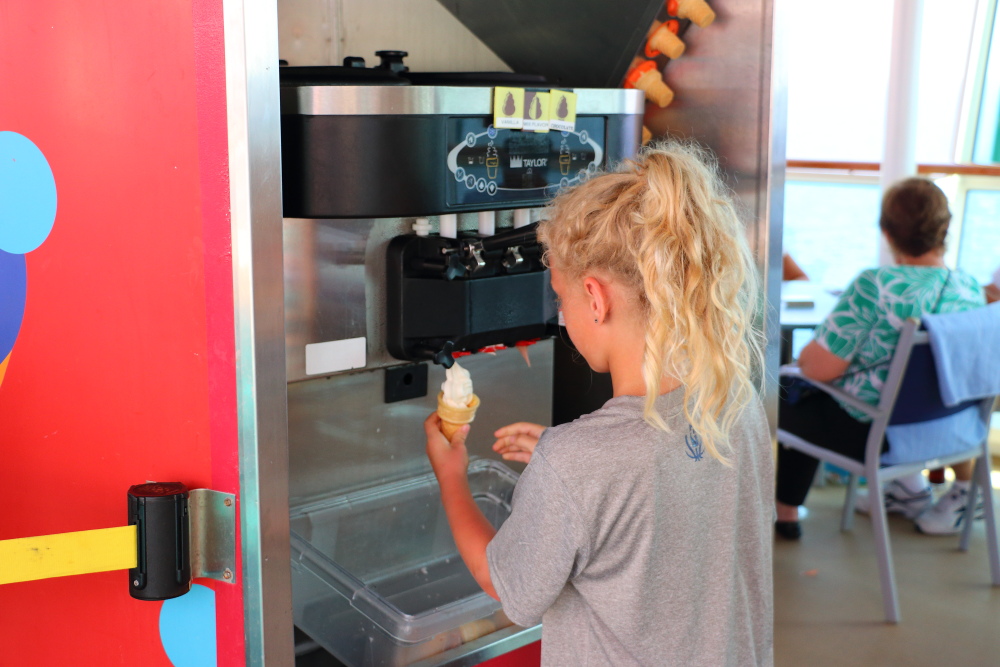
<point x="519" y="162"/>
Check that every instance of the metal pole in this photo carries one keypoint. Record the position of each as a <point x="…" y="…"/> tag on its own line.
<point x="899" y="158"/>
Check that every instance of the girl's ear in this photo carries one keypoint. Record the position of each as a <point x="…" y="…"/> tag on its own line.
<point x="598" y="299"/>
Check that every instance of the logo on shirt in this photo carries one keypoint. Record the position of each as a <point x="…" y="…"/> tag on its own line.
<point x="695" y="450"/>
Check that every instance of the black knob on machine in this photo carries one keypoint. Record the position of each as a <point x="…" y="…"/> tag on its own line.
<point x="392" y="61"/>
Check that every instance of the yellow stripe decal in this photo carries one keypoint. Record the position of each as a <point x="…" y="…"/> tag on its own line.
<point x="47" y="556"/>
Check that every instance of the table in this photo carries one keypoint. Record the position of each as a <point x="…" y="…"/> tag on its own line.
<point x="804" y="305"/>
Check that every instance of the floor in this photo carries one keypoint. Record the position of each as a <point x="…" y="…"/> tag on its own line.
<point x="828" y="605"/>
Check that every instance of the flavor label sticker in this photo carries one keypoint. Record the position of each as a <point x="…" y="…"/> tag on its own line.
<point x="508" y="108"/>
<point x="562" y="110"/>
<point x="536" y="111"/>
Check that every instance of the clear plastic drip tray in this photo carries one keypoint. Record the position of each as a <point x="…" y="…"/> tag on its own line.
<point x="377" y="579"/>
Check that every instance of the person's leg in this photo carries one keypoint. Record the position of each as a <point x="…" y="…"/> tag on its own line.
<point x="946" y="515"/>
<point x="818" y="419"/>
<point x="963" y="470"/>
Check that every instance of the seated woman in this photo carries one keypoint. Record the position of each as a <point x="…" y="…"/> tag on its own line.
<point x="853" y="347"/>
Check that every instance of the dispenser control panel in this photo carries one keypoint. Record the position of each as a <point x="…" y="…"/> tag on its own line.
<point x="489" y="165"/>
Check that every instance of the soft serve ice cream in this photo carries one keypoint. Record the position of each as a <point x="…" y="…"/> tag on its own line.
<point x="456" y="403"/>
<point x="457" y="387"/>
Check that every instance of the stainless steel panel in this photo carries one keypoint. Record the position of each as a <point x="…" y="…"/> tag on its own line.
<point x="324" y="270"/>
<point x="485" y="648"/>
<point x="730" y="99"/>
<point x="335" y="282"/>
<point x="251" y="50"/>
<point x="434" y="100"/>
<point x="343" y="436"/>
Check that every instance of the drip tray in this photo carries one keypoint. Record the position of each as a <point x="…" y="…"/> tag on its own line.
<point x="377" y="579"/>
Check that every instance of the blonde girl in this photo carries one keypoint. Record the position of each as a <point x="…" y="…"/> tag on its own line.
<point x="640" y="534"/>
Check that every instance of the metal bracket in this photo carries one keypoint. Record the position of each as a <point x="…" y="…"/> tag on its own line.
<point x="213" y="534"/>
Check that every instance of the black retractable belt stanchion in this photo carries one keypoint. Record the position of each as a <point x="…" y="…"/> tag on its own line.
<point x="160" y="513"/>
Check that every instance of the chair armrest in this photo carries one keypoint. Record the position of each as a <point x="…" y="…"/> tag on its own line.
<point x="793" y="371"/>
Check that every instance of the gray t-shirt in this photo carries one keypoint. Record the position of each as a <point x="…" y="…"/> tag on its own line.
<point x="634" y="547"/>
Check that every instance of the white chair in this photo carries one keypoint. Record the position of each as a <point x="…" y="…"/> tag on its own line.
<point x="910" y="395"/>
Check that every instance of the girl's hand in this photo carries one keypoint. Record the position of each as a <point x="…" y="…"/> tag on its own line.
<point x="516" y="442"/>
<point x="448" y="459"/>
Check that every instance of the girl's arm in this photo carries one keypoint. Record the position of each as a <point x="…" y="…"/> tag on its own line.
<point x="471" y="529"/>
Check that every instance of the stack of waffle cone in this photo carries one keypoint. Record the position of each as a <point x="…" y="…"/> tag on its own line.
<point x="453" y="418"/>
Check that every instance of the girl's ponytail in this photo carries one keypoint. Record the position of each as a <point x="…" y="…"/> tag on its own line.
<point x="664" y="226"/>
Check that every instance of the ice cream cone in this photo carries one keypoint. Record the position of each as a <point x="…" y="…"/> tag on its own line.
<point x="453" y="418"/>
<point x="662" y="40"/>
<point x="651" y="83"/>
<point x="697" y="10"/>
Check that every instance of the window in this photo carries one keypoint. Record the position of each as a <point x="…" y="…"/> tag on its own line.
<point x="838" y="74"/>
<point x="831" y="229"/>
<point x="979" y="245"/>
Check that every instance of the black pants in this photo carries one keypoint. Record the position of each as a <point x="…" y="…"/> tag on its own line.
<point x="819" y="419"/>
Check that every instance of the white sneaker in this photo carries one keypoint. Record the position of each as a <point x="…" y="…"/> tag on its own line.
<point x="945" y="517"/>
<point x="898" y="498"/>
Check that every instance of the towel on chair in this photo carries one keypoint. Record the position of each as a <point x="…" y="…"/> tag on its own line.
<point x="935" y="438"/>
<point x="966" y="351"/>
<point x="966" y="348"/>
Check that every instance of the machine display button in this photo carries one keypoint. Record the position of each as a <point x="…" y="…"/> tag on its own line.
<point x="480" y="185"/>
<point x="491" y="188"/>
<point x="470" y="182"/>
<point x="460" y="174"/>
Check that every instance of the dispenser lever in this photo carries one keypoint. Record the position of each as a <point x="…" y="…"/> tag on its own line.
<point x="474" y="249"/>
<point x="516" y="237"/>
<point x="513" y="258"/>
<point x="477" y="262"/>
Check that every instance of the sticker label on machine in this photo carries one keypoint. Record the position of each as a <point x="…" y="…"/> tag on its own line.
<point x="490" y="164"/>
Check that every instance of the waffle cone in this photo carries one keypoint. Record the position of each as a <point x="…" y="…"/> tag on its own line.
<point x="698" y="11"/>
<point x="453" y="418"/>
<point x="667" y="43"/>
<point x="656" y="91"/>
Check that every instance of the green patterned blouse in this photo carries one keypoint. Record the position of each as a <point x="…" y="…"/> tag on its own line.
<point x="864" y="326"/>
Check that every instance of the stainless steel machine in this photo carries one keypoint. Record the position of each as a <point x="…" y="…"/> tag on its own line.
<point x="408" y="241"/>
<point x="342" y="439"/>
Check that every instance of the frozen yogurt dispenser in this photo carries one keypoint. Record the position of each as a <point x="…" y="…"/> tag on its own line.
<point x="409" y="243"/>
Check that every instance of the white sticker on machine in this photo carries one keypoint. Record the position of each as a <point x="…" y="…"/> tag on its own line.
<point x="336" y="355"/>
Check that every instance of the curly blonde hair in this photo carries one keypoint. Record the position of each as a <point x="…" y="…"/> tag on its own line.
<point x="665" y="228"/>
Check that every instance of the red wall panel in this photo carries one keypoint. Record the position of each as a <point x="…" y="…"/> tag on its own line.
<point x="123" y="370"/>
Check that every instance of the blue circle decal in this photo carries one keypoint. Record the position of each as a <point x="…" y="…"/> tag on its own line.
<point x="13" y="292"/>
<point x="187" y="628"/>
<point x="27" y="194"/>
